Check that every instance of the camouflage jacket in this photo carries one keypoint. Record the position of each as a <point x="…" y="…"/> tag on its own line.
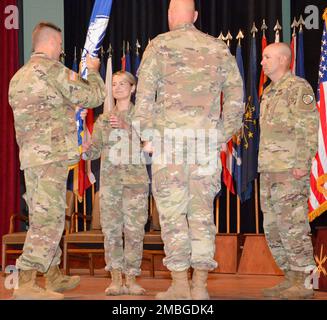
<point x="182" y="75"/>
<point x="43" y="95"/>
<point x="120" y="151"/>
<point x="288" y="125"/>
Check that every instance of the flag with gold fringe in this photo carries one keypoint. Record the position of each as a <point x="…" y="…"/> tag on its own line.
<point x="318" y="179"/>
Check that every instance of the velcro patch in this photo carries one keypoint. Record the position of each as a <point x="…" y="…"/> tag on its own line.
<point x="307" y="98"/>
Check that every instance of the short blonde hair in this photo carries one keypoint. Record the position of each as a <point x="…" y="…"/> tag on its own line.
<point x="128" y="76"/>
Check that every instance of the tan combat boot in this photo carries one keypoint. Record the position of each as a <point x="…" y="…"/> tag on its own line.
<point x="179" y="289"/>
<point x="116" y="286"/>
<point x="199" y="285"/>
<point x="274" y="292"/>
<point x="56" y="281"/>
<point x="132" y="287"/>
<point x="297" y="290"/>
<point x="29" y="290"/>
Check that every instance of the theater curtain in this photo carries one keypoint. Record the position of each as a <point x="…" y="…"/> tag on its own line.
<point x="143" y="20"/>
<point x="9" y="163"/>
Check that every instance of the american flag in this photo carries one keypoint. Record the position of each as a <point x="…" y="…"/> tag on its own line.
<point x="318" y="179"/>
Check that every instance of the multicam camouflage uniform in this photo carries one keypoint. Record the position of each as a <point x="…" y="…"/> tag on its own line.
<point x="182" y="75"/>
<point x="42" y="95"/>
<point x="123" y="193"/>
<point x="289" y="126"/>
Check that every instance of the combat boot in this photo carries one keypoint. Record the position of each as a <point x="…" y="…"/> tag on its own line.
<point x="297" y="290"/>
<point x="116" y="287"/>
<point x="199" y="289"/>
<point x="275" y="291"/>
<point x="56" y="281"/>
<point x="179" y="288"/>
<point x="29" y="290"/>
<point x="132" y="287"/>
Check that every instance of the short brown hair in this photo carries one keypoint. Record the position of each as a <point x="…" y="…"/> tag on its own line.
<point x="46" y="24"/>
<point x="40" y="33"/>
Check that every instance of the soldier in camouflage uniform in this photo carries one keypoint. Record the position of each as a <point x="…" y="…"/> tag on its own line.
<point x="288" y="143"/>
<point x="181" y="78"/>
<point x="124" y="188"/>
<point x="43" y="95"/>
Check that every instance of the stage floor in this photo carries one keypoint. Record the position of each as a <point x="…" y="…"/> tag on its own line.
<point x="221" y="286"/>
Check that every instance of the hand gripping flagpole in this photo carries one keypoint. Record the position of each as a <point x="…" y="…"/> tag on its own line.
<point x="96" y="32"/>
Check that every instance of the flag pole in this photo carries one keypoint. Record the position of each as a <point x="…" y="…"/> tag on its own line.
<point x="217" y="215"/>
<point x="238" y="215"/>
<point x="228" y="212"/>
<point x="76" y="212"/>
<point x="256" y="206"/>
<point x="84" y="210"/>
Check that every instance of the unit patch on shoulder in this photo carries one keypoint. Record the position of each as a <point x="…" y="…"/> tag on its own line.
<point x="307" y="98"/>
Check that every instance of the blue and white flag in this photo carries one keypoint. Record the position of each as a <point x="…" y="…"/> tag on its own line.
<point x="96" y="32"/>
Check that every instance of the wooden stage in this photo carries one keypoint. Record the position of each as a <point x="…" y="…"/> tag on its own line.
<point x="221" y="286"/>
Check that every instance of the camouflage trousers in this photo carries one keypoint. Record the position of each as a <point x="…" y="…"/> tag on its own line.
<point x="124" y="212"/>
<point x="46" y="199"/>
<point x="285" y="208"/>
<point x="184" y="197"/>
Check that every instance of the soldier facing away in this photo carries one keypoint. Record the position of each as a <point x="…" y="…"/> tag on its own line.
<point x="181" y="77"/>
<point x="43" y="95"/>
<point x="288" y="143"/>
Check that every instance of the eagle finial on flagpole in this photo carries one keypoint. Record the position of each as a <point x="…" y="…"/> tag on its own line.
<point x="264" y="27"/>
<point x="240" y="37"/>
<point x="138" y="47"/>
<point x="301" y="23"/>
<point x="229" y="38"/>
<point x="277" y="30"/>
<point x="294" y="25"/>
<point x="254" y="30"/>
<point x="110" y="50"/>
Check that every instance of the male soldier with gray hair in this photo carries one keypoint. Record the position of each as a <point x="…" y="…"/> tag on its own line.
<point x="288" y="143"/>
<point x="181" y="77"/>
<point x="43" y="95"/>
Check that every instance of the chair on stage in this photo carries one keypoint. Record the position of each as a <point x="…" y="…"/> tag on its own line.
<point x="13" y="242"/>
<point x="87" y="243"/>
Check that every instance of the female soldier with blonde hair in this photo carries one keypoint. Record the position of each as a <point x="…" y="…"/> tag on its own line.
<point x="124" y="188"/>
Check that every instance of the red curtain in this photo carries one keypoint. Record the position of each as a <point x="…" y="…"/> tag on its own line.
<point x="9" y="162"/>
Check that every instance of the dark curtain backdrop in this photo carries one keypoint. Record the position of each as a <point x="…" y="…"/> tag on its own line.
<point x="142" y="20"/>
<point x="9" y="164"/>
<point x="133" y="20"/>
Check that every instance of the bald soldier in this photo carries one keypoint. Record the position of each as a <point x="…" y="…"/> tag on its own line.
<point x="43" y="95"/>
<point x="288" y="143"/>
<point x="181" y="77"/>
